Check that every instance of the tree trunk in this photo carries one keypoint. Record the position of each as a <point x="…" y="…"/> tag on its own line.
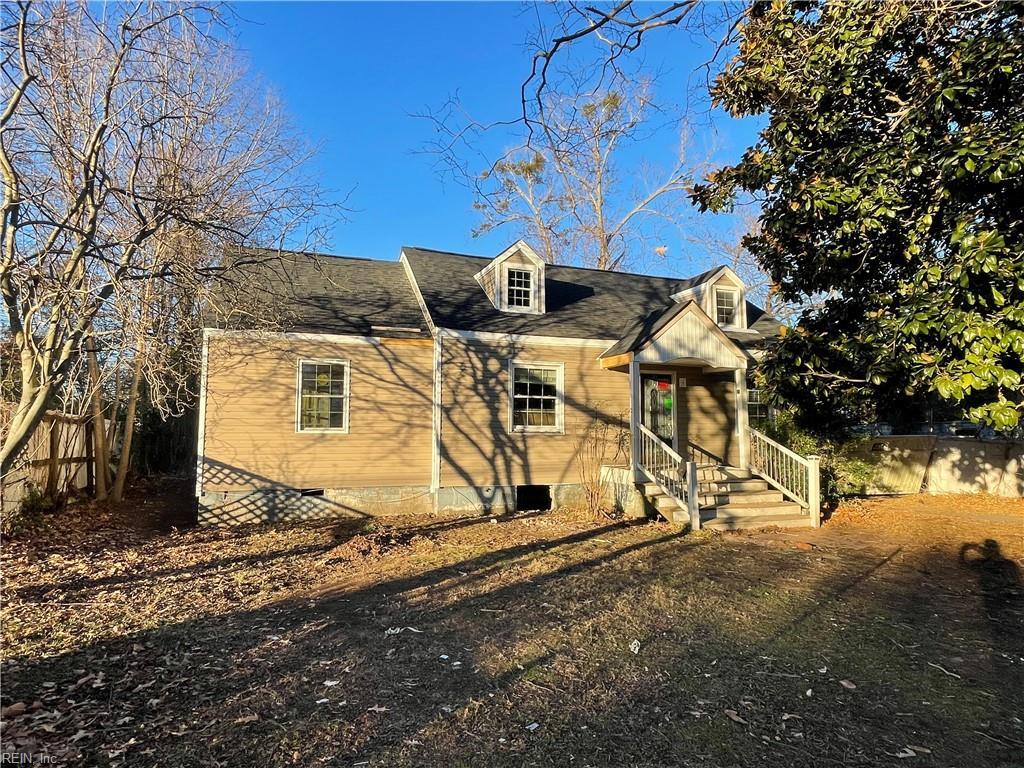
<point x="129" y="429"/>
<point x="28" y="416"/>
<point x="100" y="430"/>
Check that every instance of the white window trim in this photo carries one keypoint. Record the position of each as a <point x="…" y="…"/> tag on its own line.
<point x="535" y="288"/>
<point x="559" y="368"/>
<point x="342" y="430"/>
<point x="736" y="296"/>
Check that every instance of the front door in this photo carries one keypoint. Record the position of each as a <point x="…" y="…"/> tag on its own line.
<point x="658" y="411"/>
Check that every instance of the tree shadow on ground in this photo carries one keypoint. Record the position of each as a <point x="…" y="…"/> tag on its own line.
<point x="624" y="644"/>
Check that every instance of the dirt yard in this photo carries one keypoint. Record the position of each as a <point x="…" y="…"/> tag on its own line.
<point x="892" y="636"/>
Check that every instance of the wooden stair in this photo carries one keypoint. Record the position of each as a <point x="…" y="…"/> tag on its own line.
<point x="732" y="499"/>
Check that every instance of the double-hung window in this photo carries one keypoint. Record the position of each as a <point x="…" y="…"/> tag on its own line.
<point x="725" y="306"/>
<point x="323" y="396"/>
<point x="519" y="288"/>
<point x="536" y="399"/>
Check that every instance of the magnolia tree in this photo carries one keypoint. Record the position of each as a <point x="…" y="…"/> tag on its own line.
<point x="135" y="153"/>
<point x="889" y="175"/>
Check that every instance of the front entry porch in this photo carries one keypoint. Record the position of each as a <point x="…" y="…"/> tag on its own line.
<point x="693" y="454"/>
<point x="696" y="459"/>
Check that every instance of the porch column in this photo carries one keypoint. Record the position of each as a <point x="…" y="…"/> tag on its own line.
<point x="634" y="417"/>
<point x="742" y="415"/>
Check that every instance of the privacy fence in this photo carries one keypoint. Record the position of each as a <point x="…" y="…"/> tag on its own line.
<point x="57" y="461"/>
<point x="932" y="464"/>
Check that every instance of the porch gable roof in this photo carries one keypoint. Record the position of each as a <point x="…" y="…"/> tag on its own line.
<point x="676" y="332"/>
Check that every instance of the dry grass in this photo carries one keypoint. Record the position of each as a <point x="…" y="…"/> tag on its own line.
<point x="552" y="639"/>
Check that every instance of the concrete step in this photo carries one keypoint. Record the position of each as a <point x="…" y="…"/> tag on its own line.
<point x="661" y="501"/>
<point x="740" y="522"/>
<point x="740" y="497"/>
<point x="650" y="489"/>
<point x="753" y="508"/>
<point x="719" y="486"/>
<point x="734" y="473"/>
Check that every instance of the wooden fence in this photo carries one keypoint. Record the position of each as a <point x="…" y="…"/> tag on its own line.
<point x="57" y="461"/>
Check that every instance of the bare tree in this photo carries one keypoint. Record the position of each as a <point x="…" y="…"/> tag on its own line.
<point x="617" y="31"/>
<point x="567" y="185"/>
<point x="134" y="151"/>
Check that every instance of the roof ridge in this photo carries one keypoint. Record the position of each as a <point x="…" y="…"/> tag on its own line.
<point x="708" y="271"/>
<point x="317" y="254"/>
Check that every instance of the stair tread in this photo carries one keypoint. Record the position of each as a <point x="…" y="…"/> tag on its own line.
<point x="765" y="494"/>
<point x="748" y="483"/>
<point x="754" y="503"/>
<point x="759" y="521"/>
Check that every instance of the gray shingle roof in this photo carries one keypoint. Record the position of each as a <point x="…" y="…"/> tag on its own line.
<point x="318" y="293"/>
<point x="346" y="295"/>
<point x="580" y="303"/>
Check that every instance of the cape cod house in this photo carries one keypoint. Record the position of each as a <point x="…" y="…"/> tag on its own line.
<point x="444" y="381"/>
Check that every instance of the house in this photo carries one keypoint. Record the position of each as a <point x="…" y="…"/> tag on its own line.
<point x="444" y="381"/>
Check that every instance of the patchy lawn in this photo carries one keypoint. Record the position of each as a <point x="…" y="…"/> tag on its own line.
<point x="550" y="639"/>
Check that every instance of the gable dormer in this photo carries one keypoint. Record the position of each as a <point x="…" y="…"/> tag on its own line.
<point x="722" y="295"/>
<point x="514" y="280"/>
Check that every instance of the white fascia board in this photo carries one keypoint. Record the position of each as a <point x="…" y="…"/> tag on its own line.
<point x="201" y="436"/>
<point x="693" y="290"/>
<point x="551" y="341"/>
<point x="522" y="247"/>
<point x="416" y="290"/>
<point x="436" y="417"/>
<point x="339" y="338"/>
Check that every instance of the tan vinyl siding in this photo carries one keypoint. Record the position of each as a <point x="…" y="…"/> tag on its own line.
<point x="518" y="259"/>
<point x="250" y="436"/>
<point x="488" y="280"/>
<point x="707" y="413"/>
<point x="477" y="448"/>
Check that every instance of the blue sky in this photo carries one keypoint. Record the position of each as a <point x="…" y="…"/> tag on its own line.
<point x="353" y="75"/>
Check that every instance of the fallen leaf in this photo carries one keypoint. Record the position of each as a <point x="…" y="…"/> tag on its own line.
<point x="849" y="684"/>
<point x="250" y="718"/>
<point x="14" y="710"/>
<point x="734" y="716"/>
<point x="921" y="750"/>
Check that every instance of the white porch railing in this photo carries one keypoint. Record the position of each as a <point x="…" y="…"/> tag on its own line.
<point x="796" y="476"/>
<point x="675" y="476"/>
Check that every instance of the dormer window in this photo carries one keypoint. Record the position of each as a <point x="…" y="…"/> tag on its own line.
<point x="514" y="280"/>
<point x="726" y="301"/>
<point x="519" y="288"/>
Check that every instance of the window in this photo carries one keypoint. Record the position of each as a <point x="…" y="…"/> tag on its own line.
<point x="536" y="398"/>
<point x="323" y="396"/>
<point x="758" y="410"/>
<point x="519" y="288"/>
<point x="725" y="306"/>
